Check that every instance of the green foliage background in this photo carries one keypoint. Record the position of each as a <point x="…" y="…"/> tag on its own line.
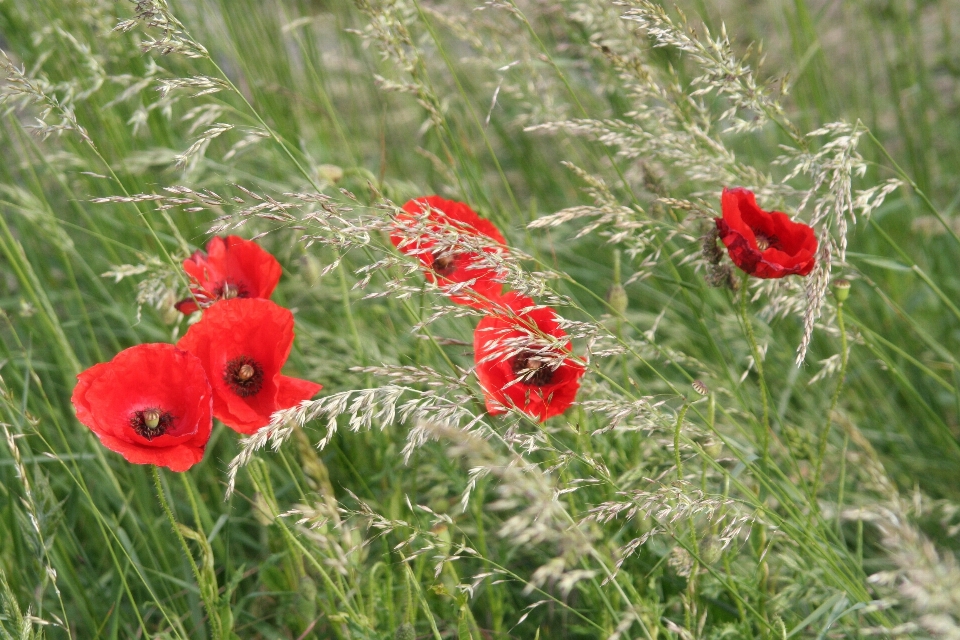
<point x="84" y="542"/>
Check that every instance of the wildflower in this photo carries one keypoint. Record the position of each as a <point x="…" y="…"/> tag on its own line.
<point x="420" y="230"/>
<point x="243" y="344"/>
<point x="765" y="244"/>
<point x="151" y="404"/>
<point x="523" y="359"/>
<point x="231" y="267"/>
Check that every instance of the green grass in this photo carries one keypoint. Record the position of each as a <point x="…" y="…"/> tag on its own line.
<point x="100" y="559"/>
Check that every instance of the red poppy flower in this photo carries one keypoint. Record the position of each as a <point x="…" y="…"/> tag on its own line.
<point x="243" y="344"/>
<point x="231" y="267"/>
<point x="151" y="404"/>
<point x="522" y="360"/>
<point x="765" y="244"/>
<point x="424" y="230"/>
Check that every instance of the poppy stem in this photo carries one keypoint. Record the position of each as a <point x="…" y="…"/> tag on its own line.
<point x="822" y="445"/>
<point x="758" y="363"/>
<point x="212" y="612"/>
<point x="676" y="440"/>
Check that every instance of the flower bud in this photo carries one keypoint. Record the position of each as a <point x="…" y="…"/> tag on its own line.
<point x="311" y="268"/>
<point x="713" y="447"/>
<point x="405" y="632"/>
<point x="262" y="511"/>
<point x="168" y="310"/>
<point x="617" y="298"/>
<point x="306" y="600"/>
<point x="330" y="173"/>
<point x="841" y="289"/>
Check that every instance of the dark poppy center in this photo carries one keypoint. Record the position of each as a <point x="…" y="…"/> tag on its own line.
<point x="532" y="368"/>
<point x="244" y="376"/>
<point x="226" y="290"/>
<point x="764" y="241"/>
<point x="151" y="423"/>
<point x="444" y="263"/>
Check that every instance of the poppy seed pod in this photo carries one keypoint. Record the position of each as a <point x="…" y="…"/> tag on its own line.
<point x="841" y="289"/>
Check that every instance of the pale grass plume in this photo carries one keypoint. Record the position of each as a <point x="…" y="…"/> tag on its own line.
<point x="156" y="14"/>
<point x="380" y="406"/>
<point x="159" y="285"/>
<point x="925" y="579"/>
<point x="42" y="517"/>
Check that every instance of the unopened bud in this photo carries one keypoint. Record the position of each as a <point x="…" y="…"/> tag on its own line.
<point x="713" y="448"/>
<point x="311" y="268"/>
<point x="617" y="298"/>
<point x="405" y="632"/>
<point x="306" y="598"/>
<point x="330" y="173"/>
<point x="841" y="289"/>
<point x="168" y="310"/>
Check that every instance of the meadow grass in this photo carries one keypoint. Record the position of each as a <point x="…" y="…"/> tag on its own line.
<point x="705" y="486"/>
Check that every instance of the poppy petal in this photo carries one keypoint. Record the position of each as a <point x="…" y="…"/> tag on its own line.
<point x="113" y="398"/>
<point x="761" y="243"/>
<point x="230" y="267"/>
<point x="417" y="230"/>
<point x="503" y="360"/>
<point x="253" y="332"/>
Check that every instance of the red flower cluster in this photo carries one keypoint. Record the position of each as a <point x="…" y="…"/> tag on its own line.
<point x="155" y="403"/>
<point x="765" y="244"/>
<point x="522" y="360"/>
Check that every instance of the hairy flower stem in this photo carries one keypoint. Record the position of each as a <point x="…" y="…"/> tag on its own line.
<point x="842" y="482"/>
<point x="412" y="579"/>
<point x="212" y="613"/>
<point x="689" y="604"/>
<point x="758" y="363"/>
<point x="676" y="441"/>
<point x="822" y="445"/>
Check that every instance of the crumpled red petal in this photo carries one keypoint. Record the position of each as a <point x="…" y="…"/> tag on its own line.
<point x="794" y="247"/>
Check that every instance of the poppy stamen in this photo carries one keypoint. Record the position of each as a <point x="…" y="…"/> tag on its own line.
<point x="532" y="369"/>
<point x="764" y="241"/>
<point x="151" y="423"/>
<point x="444" y="263"/>
<point x="227" y="290"/>
<point x="244" y="376"/>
